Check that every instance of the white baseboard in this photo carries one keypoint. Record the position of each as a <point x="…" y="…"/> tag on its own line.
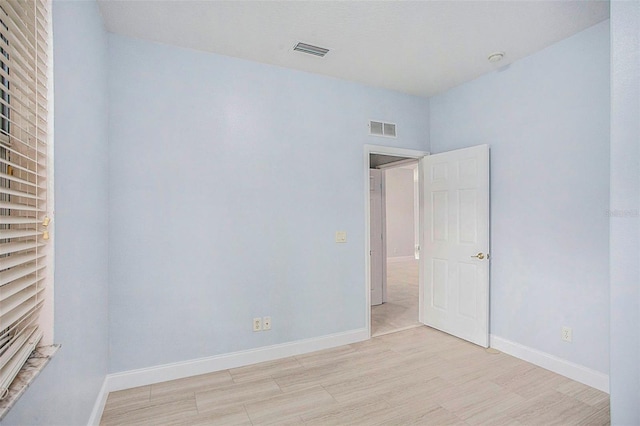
<point x="98" y="406"/>
<point x="576" y="372"/>
<point x="400" y="259"/>
<point x="178" y="370"/>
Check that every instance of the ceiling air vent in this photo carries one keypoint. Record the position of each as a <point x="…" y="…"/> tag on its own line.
<point x="378" y="128"/>
<point x="311" y="50"/>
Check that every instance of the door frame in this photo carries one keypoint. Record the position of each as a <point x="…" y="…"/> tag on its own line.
<point x="399" y="152"/>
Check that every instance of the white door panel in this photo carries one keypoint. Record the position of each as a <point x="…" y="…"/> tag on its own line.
<point x="456" y="230"/>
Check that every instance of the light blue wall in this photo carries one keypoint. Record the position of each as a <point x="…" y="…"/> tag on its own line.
<point x="546" y="118"/>
<point x="228" y="180"/>
<point x="625" y="198"/>
<point x="65" y="392"/>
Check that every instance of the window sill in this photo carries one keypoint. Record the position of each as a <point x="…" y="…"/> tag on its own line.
<point x="34" y="365"/>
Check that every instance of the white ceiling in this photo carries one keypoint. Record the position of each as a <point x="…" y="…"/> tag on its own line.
<point x="417" y="47"/>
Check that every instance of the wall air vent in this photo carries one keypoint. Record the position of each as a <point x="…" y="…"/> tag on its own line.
<point x="311" y="50"/>
<point x="378" y="128"/>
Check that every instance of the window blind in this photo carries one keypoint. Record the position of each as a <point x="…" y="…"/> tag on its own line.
<point x="23" y="180"/>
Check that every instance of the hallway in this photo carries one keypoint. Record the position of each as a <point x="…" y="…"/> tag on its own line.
<point x="401" y="309"/>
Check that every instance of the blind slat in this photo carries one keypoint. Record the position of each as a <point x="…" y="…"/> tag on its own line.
<point x="17" y="286"/>
<point x="11" y="368"/>
<point x="23" y="157"/>
<point x="17" y="220"/>
<point x="19" y="325"/>
<point x="15" y="111"/>
<point x="20" y="207"/>
<point x="16" y="193"/>
<point x="16" y="273"/>
<point x="26" y="88"/>
<point x="29" y="122"/>
<point x="17" y="180"/>
<point x="25" y="296"/>
<point x="15" y="315"/>
<point x="19" y="259"/>
<point x="16" y="98"/>
<point x="9" y="248"/>
<point x="13" y="349"/>
<point x="18" y="233"/>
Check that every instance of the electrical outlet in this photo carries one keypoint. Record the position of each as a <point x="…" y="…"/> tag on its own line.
<point x="257" y="324"/>
<point x="567" y="334"/>
<point x="266" y="323"/>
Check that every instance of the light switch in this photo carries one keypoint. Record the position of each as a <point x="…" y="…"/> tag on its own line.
<point x="341" y="237"/>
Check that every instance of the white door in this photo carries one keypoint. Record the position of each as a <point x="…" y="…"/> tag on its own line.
<point x="378" y="255"/>
<point x="456" y="243"/>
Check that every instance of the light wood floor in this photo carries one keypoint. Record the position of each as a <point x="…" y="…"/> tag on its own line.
<point x="401" y="309"/>
<point x="416" y="376"/>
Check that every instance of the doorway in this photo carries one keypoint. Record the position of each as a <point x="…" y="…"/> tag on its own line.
<point x="393" y="299"/>
<point x="394" y="227"/>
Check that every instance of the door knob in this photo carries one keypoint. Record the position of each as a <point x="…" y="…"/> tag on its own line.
<point x="479" y="256"/>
